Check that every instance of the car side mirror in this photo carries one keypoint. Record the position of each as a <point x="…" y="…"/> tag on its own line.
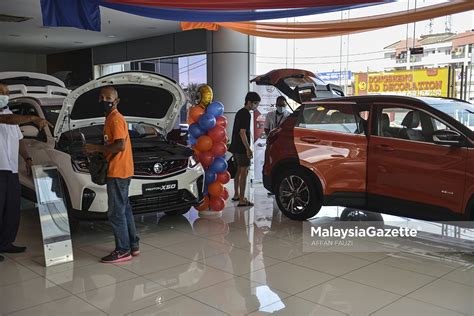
<point x="448" y="137"/>
<point x="29" y="131"/>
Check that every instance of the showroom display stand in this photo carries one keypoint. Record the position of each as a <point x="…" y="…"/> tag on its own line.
<point x="53" y="215"/>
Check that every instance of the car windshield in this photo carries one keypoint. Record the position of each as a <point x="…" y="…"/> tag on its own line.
<point x="461" y="111"/>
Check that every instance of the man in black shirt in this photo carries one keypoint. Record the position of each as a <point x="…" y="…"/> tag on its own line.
<point x="240" y="147"/>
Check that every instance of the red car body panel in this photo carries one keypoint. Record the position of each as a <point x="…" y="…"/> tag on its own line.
<point x="339" y="160"/>
<point x="436" y="174"/>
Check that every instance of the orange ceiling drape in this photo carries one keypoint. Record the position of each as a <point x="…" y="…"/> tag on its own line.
<point x="303" y="30"/>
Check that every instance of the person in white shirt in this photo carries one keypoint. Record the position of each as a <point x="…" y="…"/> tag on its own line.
<point x="276" y="118"/>
<point x="10" y="190"/>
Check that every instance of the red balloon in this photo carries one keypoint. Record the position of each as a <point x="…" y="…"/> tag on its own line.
<point x="217" y="134"/>
<point x="204" y="205"/>
<point x="223" y="177"/>
<point x="195" y="113"/>
<point x="217" y="203"/>
<point x="215" y="189"/>
<point x="225" y="194"/>
<point x="206" y="159"/>
<point x="219" y="149"/>
<point x="221" y="121"/>
<point x="204" y="143"/>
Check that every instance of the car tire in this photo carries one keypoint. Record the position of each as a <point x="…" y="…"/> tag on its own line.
<point x="297" y="194"/>
<point x="178" y="212"/>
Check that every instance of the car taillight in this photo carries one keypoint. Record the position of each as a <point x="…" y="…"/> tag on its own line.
<point x="272" y="137"/>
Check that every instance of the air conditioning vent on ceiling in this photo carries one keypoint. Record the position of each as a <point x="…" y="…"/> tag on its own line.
<point x="12" y="18"/>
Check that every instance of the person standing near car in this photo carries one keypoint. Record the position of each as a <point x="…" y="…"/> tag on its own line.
<point x="240" y="147"/>
<point x="11" y="145"/>
<point x="276" y="118"/>
<point x="118" y="152"/>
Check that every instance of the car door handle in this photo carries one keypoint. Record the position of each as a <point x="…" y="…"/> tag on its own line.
<point x="385" y="147"/>
<point x="311" y="140"/>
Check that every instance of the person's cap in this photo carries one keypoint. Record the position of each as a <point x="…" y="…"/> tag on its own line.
<point x="252" y="97"/>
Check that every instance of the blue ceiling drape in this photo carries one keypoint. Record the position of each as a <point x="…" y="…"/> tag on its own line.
<point x="85" y="14"/>
<point x="82" y="14"/>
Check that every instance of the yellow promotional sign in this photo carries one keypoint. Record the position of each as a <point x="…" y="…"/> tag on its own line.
<point x="420" y="82"/>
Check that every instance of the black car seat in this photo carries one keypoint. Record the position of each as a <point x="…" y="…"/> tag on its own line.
<point x="385" y="126"/>
<point x="410" y="122"/>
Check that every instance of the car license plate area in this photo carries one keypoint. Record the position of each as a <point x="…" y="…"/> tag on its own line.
<point x="159" y="188"/>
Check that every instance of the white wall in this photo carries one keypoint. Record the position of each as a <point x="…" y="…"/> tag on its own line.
<point x="12" y="61"/>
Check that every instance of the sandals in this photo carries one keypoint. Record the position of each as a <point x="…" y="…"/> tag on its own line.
<point x="245" y="204"/>
<point x="235" y="199"/>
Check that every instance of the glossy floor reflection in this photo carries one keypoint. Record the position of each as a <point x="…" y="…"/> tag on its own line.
<point x="249" y="261"/>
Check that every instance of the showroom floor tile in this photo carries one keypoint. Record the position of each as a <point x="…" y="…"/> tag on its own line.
<point x="250" y="260"/>
<point x="348" y="297"/>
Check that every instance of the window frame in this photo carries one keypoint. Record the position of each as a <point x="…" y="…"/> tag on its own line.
<point x="355" y="109"/>
<point x="377" y="114"/>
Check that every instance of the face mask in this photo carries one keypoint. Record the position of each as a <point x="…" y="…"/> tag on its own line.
<point x="279" y="109"/>
<point x="106" y="105"/>
<point x="4" y="101"/>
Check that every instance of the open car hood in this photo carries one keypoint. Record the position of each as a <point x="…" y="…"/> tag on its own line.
<point x="299" y="85"/>
<point x="144" y="98"/>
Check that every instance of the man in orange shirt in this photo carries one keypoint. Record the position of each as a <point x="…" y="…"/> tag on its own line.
<point x="118" y="152"/>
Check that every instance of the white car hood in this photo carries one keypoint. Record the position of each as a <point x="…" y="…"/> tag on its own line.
<point x="144" y="98"/>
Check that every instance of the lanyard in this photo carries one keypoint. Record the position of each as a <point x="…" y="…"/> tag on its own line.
<point x="277" y="123"/>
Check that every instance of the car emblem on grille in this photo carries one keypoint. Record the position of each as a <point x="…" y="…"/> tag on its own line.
<point x="158" y="168"/>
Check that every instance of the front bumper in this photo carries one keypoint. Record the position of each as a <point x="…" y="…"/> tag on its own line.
<point x="267" y="183"/>
<point x="188" y="194"/>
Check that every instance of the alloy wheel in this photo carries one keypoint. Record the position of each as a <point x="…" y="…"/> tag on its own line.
<point x="294" y="194"/>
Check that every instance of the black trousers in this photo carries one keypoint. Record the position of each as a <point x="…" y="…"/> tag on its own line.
<point x="10" y="193"/>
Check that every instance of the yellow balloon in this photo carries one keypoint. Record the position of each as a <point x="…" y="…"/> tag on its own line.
<point x="204" y="95"/>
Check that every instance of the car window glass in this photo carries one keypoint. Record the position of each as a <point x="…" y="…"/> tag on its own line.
<point x="335" y="118"/>
<point x="408" y="124"/>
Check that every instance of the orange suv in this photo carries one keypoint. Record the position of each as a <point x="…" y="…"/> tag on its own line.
<point x="408" y="156"/>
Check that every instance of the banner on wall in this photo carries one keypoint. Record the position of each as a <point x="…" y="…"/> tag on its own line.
<point x="421" y="82"/>
<point x="269" y="94"/>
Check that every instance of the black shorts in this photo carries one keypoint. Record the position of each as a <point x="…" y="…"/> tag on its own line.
<point x="242" y="160"/>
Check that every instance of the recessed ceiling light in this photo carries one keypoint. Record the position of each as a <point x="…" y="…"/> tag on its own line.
<point x="111" y="36"/>
<point x="14" y="35"/>
<point x="78" y="42"/>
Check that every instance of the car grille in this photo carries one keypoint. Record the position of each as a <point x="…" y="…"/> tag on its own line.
<point x="167" y="167"/>
<point x="163" y="202"/>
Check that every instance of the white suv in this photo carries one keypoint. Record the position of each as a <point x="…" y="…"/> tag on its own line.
<point x="167" y="178"/>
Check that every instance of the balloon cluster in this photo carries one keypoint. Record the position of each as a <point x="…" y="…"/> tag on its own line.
<point x="208" y="137"/>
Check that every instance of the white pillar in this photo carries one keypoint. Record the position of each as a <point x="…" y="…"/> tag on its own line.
<point x="230" y="66"/>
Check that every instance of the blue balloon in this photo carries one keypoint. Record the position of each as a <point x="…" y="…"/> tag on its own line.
<point x="207" y="121"/>
<point x="192" y="140"/>
<point x="219" y="165"/>
<point x="196" y="131"/>
<point x="211" y="177"/>
<point x="215" y="108"/>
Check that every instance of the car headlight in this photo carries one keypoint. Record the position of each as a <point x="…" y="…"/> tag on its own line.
<point x="80" y="165"/>
<point x="192" y="162"/>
